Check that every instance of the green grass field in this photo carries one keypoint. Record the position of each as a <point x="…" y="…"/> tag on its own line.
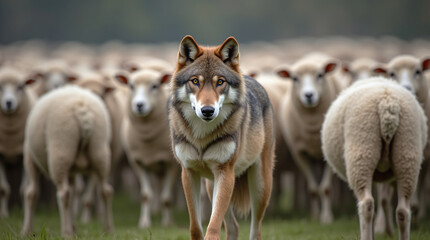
<point x="126" y="212"/>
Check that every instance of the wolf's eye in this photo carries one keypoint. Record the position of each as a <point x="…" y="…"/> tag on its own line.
<point x="219" y="82"/>
<point x="195" y="81"/>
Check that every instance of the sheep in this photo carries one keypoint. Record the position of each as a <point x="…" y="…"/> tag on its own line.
<point x="276" y="88"/>
<point x="96" y="83"/>
<point x="409" y="72"/>
<point x="146" y="138"/>
<point x="54" y="73"/>
<point x="360" y="68"/>
<point x="16" y="102"/>
<point x="302" y="113"/>
<point x="67" y="132"/>
<point x="376" y="131"/>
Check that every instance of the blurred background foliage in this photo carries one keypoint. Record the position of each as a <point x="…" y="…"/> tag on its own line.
<point x="97" y="21"/>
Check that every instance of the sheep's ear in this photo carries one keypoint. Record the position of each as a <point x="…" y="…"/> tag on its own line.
<point x="32" y="78"/>
<point x="122" y="77"/>
<point x="426" y="64"/>
<point x="253" y="74"/>
<point x="189" y="51"/>
<point x="380" y="71"/>
<point x="130" y="67"/>
<point x="345" y="68"/>
<point x="72" y="77"/>
<point x="109" y="89"/>
<point x="330" y="67"/>
<point x="165" y="78"/>
<point x="228" y="52"/>
<point x="284" y="73"/>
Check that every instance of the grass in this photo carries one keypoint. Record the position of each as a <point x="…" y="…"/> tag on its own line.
<point x="47" y="226"/>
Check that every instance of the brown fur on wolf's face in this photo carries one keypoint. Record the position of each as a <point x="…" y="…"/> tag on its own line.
<point x="207" y="91"/>
<point x="207" y="78"/>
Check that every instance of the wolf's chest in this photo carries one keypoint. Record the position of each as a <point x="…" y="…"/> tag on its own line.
<point x="196" y="158"/>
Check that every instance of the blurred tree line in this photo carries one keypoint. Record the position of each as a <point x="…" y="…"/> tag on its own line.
<point x="209" y="21"/>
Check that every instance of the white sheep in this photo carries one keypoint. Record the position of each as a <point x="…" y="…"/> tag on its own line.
<point x="410" y="72"/>
<point x="16" y="102"/>
<point x="146" y="138"/>
<point x="53" y="74"/>
<point x="376" y="131"/>
<point x="67" y="132"/>
<point x="105" y="89"/>
<point x="302" y="114"/>
<point x="360" y="68"/>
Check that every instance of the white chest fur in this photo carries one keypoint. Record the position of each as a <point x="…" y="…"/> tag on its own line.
<point x="217" y="153"/>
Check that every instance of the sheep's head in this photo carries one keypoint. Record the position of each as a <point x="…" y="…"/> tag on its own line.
<point x="408" y="71"/>
<point x="361" y="68"/>
<point x="309" y="81"/>
<point x="12" y="87"/>
<point x="145" y="89"/>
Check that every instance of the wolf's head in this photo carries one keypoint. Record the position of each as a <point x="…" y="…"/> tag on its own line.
<point x="207" y="79"/>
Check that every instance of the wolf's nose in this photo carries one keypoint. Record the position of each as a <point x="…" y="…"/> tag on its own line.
<point x="208" y="111"/>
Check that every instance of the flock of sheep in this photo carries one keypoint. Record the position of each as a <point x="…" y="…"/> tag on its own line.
<point x="73" y="111"/>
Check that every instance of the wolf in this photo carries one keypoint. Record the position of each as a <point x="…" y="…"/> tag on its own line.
<point x="222" y="129"/>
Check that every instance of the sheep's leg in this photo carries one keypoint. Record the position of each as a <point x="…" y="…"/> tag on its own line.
<point x="100" y="158"/>
<point x="230" y="223"/>
<point x="4" y="192"/>
<point x="325" y="195"/>
<point x="388" y="208"/>
<point x="64" y="204"/>
<point x="88" y="199"/>
<point x="303" y="164"/>
<point x="166" y="194"/>
<point x="31" y="190"/>
<point x="365" y="210"/>
<point x="191" y="182"/>
<point x="407" y="157"/>
<point x="78" y="188"/>
<point x="379" y="225"/>
<point x="146" y="195"/>
<point x="260" y="188"/>
<point x="384" y="221"/>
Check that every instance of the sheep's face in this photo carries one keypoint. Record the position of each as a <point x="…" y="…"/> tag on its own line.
<point x="55" y="79"/>
<point x="11" y="93"/>
<point x="145" y="90"/>
<point x="408" y="73"/>
<point x="309" y="83"/>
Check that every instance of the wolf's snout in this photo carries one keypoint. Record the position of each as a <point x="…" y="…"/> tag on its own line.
<point x="208" y="111"/>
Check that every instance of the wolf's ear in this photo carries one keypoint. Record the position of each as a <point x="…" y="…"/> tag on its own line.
<point x="229" y="52"/>
<point x="189" y="50"/>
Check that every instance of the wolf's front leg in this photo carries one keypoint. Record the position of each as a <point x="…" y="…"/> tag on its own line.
<point x="222" y="192"/>
<point x="191" y="184"/>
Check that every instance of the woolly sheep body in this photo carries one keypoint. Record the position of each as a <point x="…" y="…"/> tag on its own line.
<point x="67" y="131"/>
<point x="371" y="115"/>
